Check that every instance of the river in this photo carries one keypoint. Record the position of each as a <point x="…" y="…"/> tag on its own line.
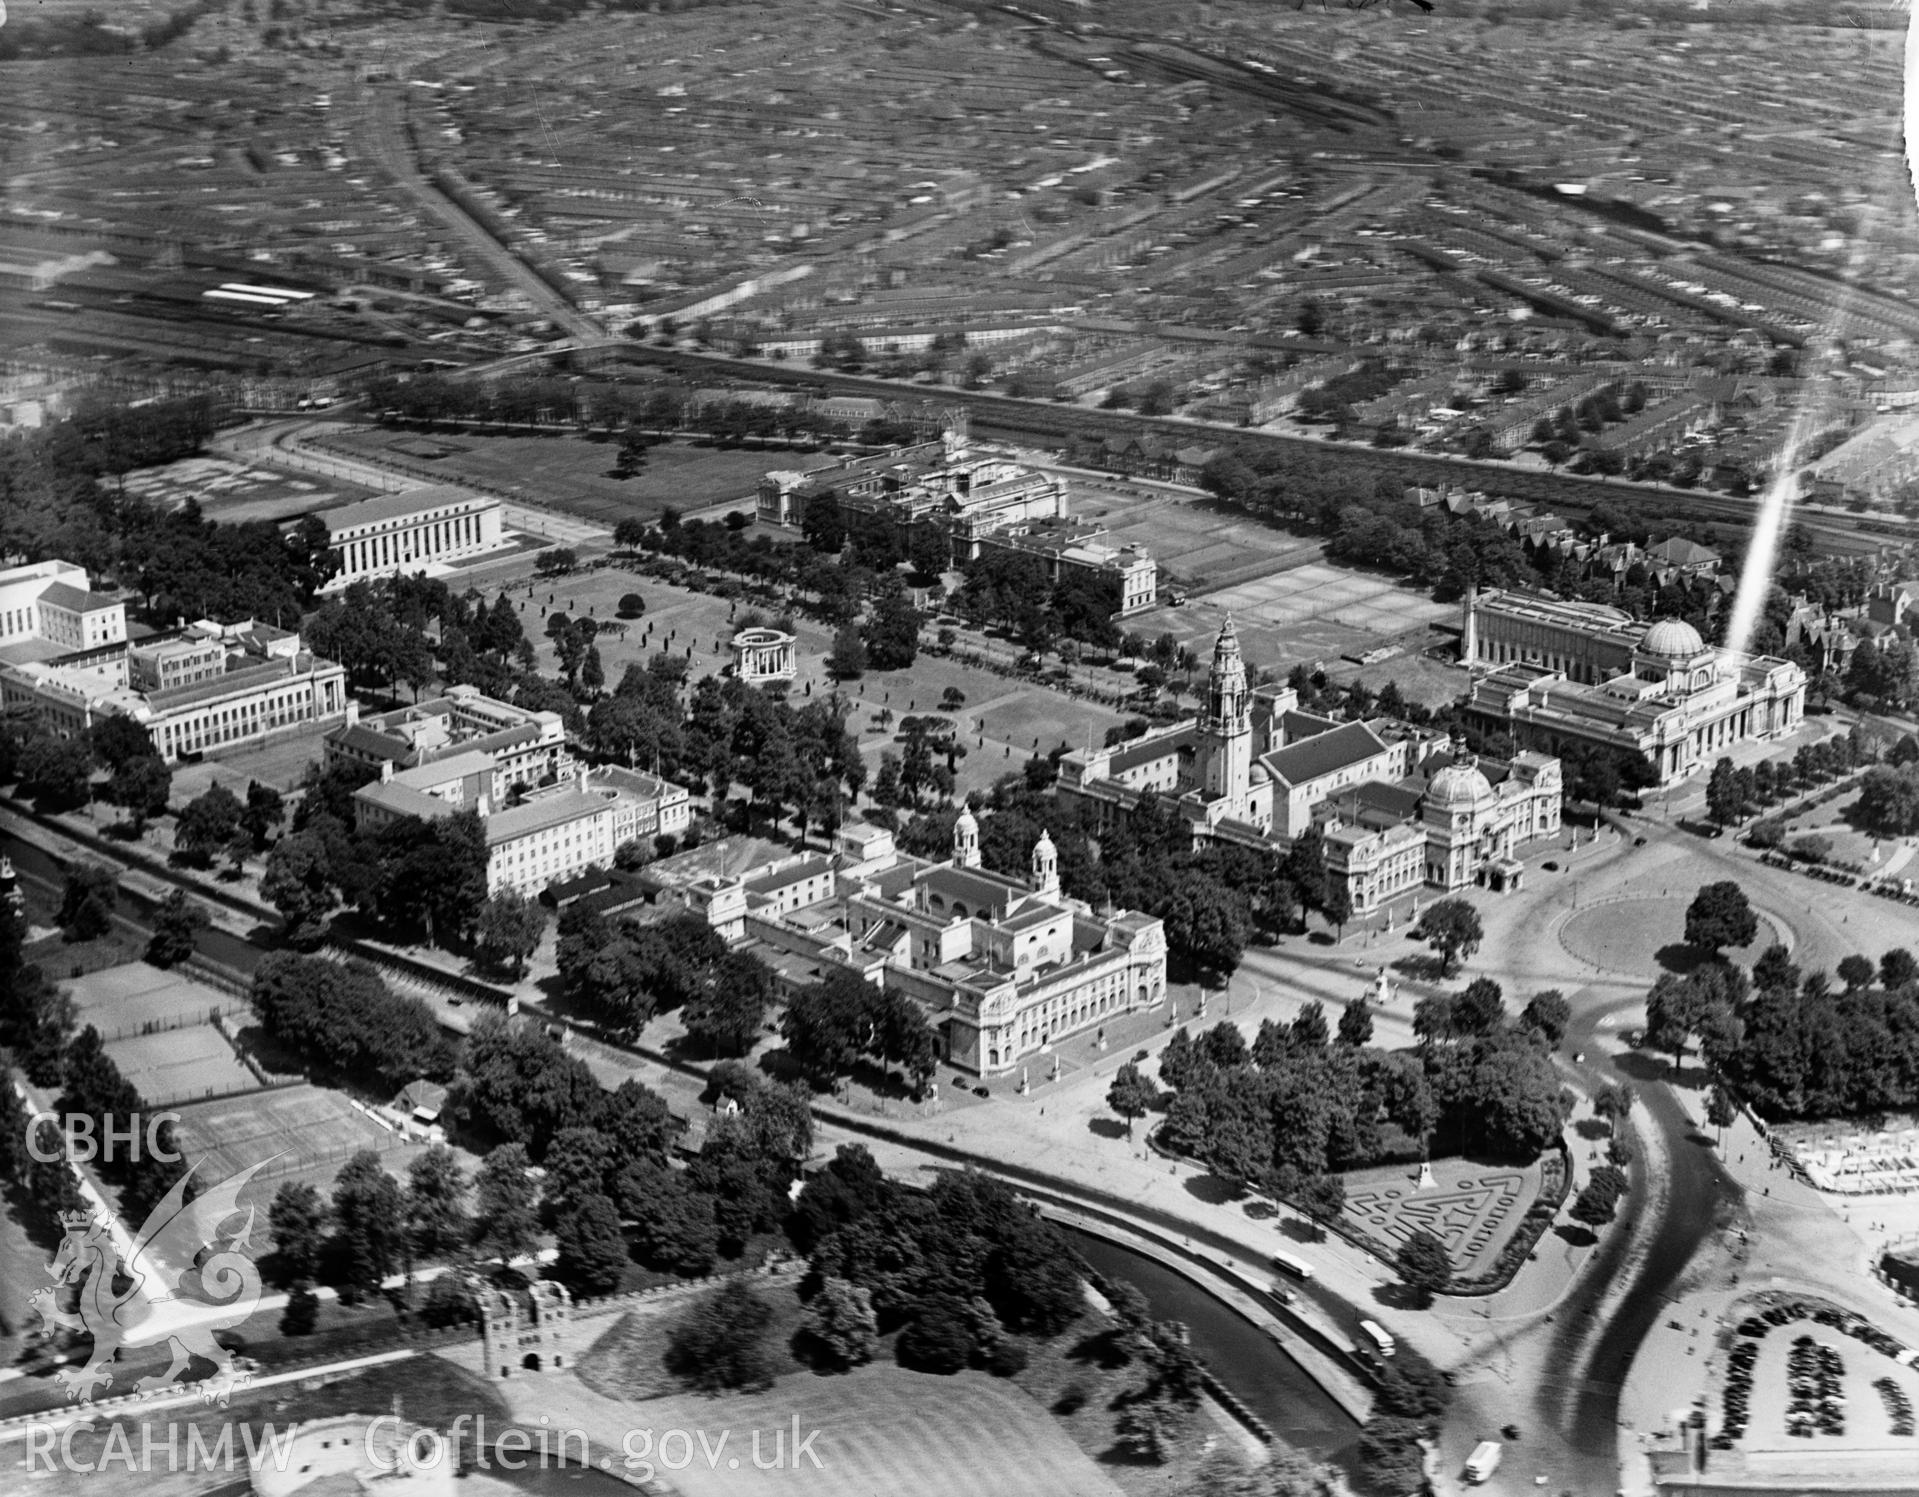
<point x="1269" y="1382"/>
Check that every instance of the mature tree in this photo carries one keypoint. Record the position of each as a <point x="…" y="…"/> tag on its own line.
<point x="1480" y="1009"/>
<point x="1424" y="1265"/>
<point x="56" y="772"/>
<point x="369" y="1221"/>
<point x="675" y="1228"/>
<point x="176" y="924"/>
<point x="1322" y="1197"/>
<point x="1889" y="800"/>
<point x="1720" y="1111"/>
<point x="1724" y="802"/>
<point x="1856" y="972"/>
<point x="725" y="1016"/>
<point x="206" y="825"/>
<point x="1598" y="1203"/>
<point x="1719" y="917"/>
<point x="1434" y="1019"/>
<point x="1775" y="971"/>
<point x="297" y="1220"/>
<point x="520" y="1085"/>
<point x="721" y="1343"/>
<point x="1897" y="969"/>
<point x="341" y="1015"/>
<point x="117" y="740"/>
<point x="141" y="785"/>
<point x="1356" y="1024"/>
<point x="592" y="1249"/>
<point x="1131" y="1095"/>
<point x="436" y="1202"/>
<point x="299" y="883"/>
<point x="826" y="1026"/>
<point x="1177" y="1059"/>
<point x="1613" y="1103"/>
<point x="847" y="660"/>
<point x="265" y="810"/>
<point x="506" y="1218"/>
<point x="840" y="1328"/>
<point x="86" y="902"/>
<point x="1547" y="1014"/>
<point x="939" y="1339"/>
<point x="302" y="1312"/>
<point x="1452" y="928"/>
<point x="893" y="634"/>
<point x="1308" y="1031"/>
<point x="508" y="930"/>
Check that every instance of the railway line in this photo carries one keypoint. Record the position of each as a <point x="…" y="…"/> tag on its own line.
<point x="1027" y="420"/>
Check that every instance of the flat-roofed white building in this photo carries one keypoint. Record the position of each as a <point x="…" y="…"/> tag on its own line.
<point x="218" y="687"/>
<point x="49" y="611"/>
<point x="415" y="530"/>
<point x="555" y="833"/>
<point x="526" y="749"/>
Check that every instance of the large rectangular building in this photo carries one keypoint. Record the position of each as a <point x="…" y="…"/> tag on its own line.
<point x="1399" y="807"/>
<point x="50" y="613"/>
<point x="217" y="687"/>
<point x="974" y="502"/>
<point x="536" y="835"/>
<point x="525" y="749"/>
<point x="415" y="530"/>
<point x="1569" y="674"/>
<point x="1004" y="968"/>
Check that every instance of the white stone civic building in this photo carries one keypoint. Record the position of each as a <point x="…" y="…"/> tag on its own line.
<point x="416" y="530"/>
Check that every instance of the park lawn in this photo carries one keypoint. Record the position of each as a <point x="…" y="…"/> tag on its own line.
<point x="884" y="1429"/>
<point x="628" y="1362"/>
<point x="425" y="1390"/>
<point x="574" y="474"/>
<point x="61" y="959"/>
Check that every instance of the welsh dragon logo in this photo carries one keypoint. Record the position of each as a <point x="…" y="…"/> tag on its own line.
<point x="159" y="1291"/>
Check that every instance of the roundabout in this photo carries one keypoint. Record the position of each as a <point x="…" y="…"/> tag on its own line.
<point x="1639" y="937"/>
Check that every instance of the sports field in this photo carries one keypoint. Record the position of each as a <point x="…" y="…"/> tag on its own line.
<point x="307" y="1131"/>
<point x="574" y="475"/>
<point x="124" y="1000"/>
<point x="230" y="491"/>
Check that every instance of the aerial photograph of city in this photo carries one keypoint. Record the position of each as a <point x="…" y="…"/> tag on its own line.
<point x="958" y="748"/>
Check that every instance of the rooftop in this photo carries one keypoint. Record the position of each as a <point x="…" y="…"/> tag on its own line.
<point x="1323" y="754"/>
<point x="76" y="600"/>
<point x="397" y="506"/>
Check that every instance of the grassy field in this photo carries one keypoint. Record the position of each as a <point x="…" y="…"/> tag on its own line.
<point x="427" y="1390"/>
<point x="572" y="474"/>
<point x="1011" y="714"/>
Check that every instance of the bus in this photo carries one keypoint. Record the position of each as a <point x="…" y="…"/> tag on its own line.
<point x="1299" y="1268"/>
<point x="1374" y="1340"/>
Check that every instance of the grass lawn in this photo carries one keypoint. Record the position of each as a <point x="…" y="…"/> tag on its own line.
<point x="61" y="959"/>
<point x="573" y="474"/>
<point x="426" y="1390"/>
<point x="629" y="1361"/>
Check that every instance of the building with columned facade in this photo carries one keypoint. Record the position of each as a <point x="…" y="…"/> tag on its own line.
<point x="213" y="688"/>
<point x="761" y="655"/>
<point x="1657" y="691"/>
<point x="1005" y="968"/>
<point x="1400" y="808"/>
<point x="415" y="530"/>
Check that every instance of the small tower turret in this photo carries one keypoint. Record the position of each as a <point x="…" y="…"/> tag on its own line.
<point x="1045" y="866"/>
<point x="966" y="840"/>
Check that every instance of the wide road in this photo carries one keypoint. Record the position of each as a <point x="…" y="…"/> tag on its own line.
<point x="380" y="132"/>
